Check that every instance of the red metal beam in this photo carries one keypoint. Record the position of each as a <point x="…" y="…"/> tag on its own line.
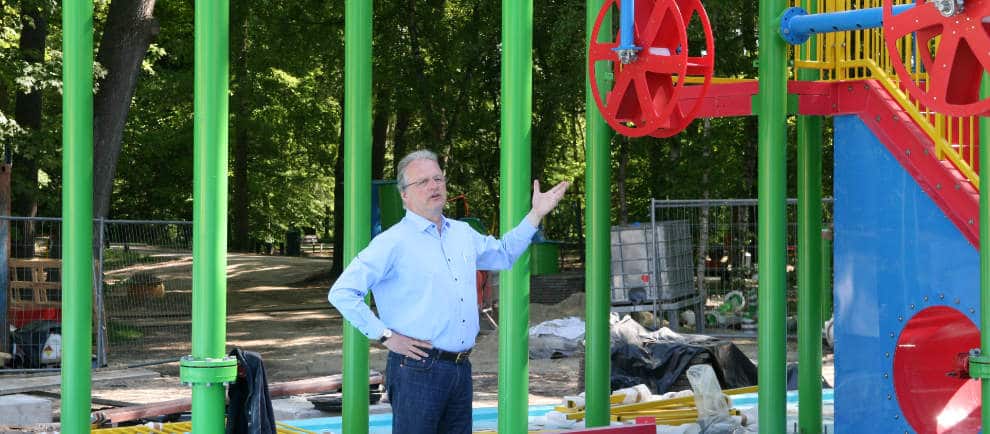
<point x="869" y="100"/>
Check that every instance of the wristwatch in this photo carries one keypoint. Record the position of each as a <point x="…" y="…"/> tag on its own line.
<point x="386" y="334"/>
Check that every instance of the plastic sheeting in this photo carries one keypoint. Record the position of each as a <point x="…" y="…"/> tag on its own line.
<point x="660" y="358"/>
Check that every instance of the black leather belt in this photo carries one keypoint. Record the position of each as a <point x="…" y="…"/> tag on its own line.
<point x="448" y="356"/>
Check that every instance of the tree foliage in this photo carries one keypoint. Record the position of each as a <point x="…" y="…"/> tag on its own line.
<point x="436" y="84"/>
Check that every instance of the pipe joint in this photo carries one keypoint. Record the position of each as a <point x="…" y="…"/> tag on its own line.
<point x="979" y="364"/>
<point x="208" y="371"/>
<point x="789" y="32"/>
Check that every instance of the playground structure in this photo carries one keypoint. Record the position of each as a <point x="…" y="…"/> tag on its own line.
<point x="908" y="104"/>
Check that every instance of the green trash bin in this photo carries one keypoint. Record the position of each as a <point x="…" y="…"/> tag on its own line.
<point x="390" y="203"/>
<point x="544" y="258"/>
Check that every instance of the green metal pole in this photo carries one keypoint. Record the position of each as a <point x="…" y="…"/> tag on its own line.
<point x="809" y="179"/>
<point x="357" y="195"/>
<point x="207" y="369"/>
<point x="597" y="250"/>
<point x="984" y="255"/>
<point x="515" y="188"/>
<point x="77" y="208"/>
<point x="826" y="275"/>
<point x="772" y="222"/>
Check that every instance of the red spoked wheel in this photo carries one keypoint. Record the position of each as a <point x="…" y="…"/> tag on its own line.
<point x="645" y="92"/>
<point x="701" y="65"/>
<point x="954" y="52"/>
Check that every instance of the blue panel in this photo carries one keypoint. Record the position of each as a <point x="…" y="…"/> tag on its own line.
<point x="894" y="248"/>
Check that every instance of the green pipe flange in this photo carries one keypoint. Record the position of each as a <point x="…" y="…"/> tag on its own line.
<point x="207" y="371"/>
<point x="979" y="365"/>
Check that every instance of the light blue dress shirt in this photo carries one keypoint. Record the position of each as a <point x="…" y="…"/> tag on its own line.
<point x="424" y="280"/>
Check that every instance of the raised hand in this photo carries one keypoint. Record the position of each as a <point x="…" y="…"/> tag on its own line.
<point x="544" y="202"/>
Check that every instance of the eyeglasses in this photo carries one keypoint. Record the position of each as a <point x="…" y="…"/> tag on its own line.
<point x="439" y="179"/>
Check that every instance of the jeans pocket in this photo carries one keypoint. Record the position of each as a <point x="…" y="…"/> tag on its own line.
<point x="422" y="365"/>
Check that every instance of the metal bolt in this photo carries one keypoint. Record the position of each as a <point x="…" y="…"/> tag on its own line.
<point x="885" y="375"/>
<point x="900" y="318"/>
<point x="878" y="118"/>
<point x="912" y="306"/>
<point x="887" y="354"/>
<point x="908" y="151"/>
<point x="888" y="397"/>
<point x="941" y="296"/>
<point x="850" y="88"/>
<point x="891" y="335"/>
<point x="956" y="301"/>
<point x="925" y="298"/>
<point x="958" y="186"/>
<point x="938" y="186"/>
<point x="971" y="310"/>
<point x="970" y="221"/>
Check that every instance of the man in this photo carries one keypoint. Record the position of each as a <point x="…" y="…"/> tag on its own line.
<point x="422" y="273"/>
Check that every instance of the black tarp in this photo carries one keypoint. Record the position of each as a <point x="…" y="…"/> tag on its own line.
<point x="659" y="359"/>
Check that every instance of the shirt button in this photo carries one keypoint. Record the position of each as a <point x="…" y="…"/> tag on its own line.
<point x="448" y="259"/>
<point x="462" y="299"/>
<point x="455" y="279"/>
<point x="462" y="320"/>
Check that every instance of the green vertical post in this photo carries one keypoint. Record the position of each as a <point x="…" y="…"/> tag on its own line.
<point x="597" y="250"/>
<point x="809" y="179"/>
<point x="516" y="184"/>
<point x="984" y="256"/>
<point x="77" y="208"/>
<point x="772" y="167"/>
<point x="357" y="195"/>
<point x="207" y="369"/>
<point x="826" y="275"/>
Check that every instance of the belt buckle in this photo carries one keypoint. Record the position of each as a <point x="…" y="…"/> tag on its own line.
<point x="461" y="356"/>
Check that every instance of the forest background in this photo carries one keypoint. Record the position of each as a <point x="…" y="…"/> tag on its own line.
<point x="436" y="85"/>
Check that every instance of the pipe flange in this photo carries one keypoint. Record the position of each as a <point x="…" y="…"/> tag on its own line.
<point x="785" y="31"/>
<point x="208" y="371"/>
<point x="979" y="364"/>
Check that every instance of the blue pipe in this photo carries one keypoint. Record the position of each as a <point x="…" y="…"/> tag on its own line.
<point x="627" y="14"/>
<point x="796" y="25"/>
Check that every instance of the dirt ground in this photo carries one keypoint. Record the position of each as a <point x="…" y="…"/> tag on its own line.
<point x="277" y="307"/>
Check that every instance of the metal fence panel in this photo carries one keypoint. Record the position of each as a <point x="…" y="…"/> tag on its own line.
<point x="147" y="290"/>
<point x="724" y="240"/>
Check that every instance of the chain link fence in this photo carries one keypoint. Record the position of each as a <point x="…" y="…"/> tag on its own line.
<point x="724" y="244"/>
<point x="142" y="292"/>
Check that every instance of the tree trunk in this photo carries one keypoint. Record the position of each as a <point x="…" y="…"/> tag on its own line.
<point x="130" y="28"/>
<point x="620" y="180"/>
<point x="27" y="112"/>
<point x="338" y="204"/>
<point x="399" y="143"/>
<point x="240" y="100"/>
<point x="379" y="132"/>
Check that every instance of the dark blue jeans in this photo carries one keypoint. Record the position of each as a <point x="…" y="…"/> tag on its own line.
<point x="429" y="396"/>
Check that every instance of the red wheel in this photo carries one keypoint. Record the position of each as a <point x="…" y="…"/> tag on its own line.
<point x="931" y="372"/>
<point x="953" y="51"/>
<point x="644" y="93"/>
<point x="701" y="65"/>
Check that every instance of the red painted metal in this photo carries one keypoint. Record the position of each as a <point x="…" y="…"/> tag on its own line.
<point x="947" y="187"/>
<point x="645" y="91"/>
<point x="932" y="394"/>
<point x="868" y="99"/>
<point x="955" y="63"/>
<point x="700" y="64"/>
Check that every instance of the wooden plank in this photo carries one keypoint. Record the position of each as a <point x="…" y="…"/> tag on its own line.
<point x="19" y="384"/>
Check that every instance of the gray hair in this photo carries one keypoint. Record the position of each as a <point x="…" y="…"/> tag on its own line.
<point x="400" y="169"/>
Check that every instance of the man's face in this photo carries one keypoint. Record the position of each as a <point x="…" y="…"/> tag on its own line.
<point x="425" y="192"/>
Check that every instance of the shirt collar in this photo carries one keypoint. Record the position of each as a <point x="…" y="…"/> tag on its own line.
<point x="421" y="223"/>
